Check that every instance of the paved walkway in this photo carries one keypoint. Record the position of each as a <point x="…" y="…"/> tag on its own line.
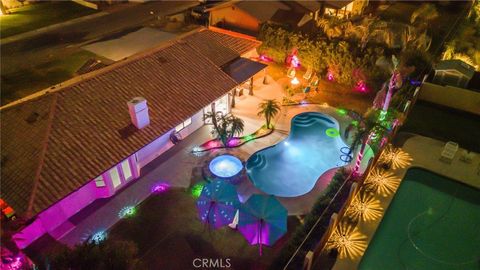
<point x="417" y="151"/>
<point x="178" y="166"/>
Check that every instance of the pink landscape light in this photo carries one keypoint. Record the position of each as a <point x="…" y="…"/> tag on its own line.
<point x="361" y="87"/>
<point x="265" y="58"/>
<point x="213" y="144"/>
<point x="330" y="76"/>
<point x="295" y="62"/>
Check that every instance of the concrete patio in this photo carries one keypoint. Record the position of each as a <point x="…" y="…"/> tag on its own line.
<point x="178" y="165"/>
<point x="418" y="151"/>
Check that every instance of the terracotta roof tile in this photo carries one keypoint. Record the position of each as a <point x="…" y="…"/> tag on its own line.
<point x="84" y="138"/>
<point x="219" y="46"/>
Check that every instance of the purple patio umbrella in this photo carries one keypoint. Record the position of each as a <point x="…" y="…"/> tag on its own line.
<point x="218" y="203"/>
<point x="262" y="220"/>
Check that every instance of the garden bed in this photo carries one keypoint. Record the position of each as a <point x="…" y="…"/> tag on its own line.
<point x="234" y="141"/>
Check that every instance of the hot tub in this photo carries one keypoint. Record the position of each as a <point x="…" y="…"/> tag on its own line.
<point x="225" y="166"/>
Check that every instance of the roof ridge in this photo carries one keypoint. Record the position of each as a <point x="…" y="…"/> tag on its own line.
<point x="43" y="152"/>
<point x="208" y="60"/>
<point x="81" y="78"/>
<point x="232" y="33"/>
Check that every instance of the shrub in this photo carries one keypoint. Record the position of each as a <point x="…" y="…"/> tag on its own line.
<point x="348" y="62"/>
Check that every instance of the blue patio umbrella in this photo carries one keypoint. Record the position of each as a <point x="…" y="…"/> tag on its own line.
<point x="262" y="220"/>
<point x="218" y="203"/>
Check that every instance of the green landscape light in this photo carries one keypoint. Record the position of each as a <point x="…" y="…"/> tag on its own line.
<point x="382" y="116"/>
<point x="197" y="190"/>
<point x="249" y="137"/>
<point x="355" y="123"/>
<point x="127" y="211"/>
<point x="341" y="111"/>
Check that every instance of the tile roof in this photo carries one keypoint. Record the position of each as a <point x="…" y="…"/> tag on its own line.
<point x="458" y="65"/>
<point x="242" y="69"/>
<point x="220" y="45"/>
<point x="54" y="143"/>
<point x="261" y="10"/>
<point x="311" y="5"/>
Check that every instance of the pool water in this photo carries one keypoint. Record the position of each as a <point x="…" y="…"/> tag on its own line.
<point x="292" y="167"/>
<point x="432" y="223"/>
<point x="225" y="166"/>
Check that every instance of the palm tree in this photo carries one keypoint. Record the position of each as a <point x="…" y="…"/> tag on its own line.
<point x="369" y="29"/>
<point x="225" y="126"/>
<point x="424" y="14"/>
<point x="269" y="108"/>
<point x="368" y="128"/>
<point x="236" y="126"/>
<point x="332" y="27"/>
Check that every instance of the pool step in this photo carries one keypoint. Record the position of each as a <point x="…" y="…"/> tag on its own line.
<point x="257" y="162"/>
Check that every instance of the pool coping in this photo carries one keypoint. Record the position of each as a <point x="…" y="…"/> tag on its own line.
<point x="372" y="226"/>
<point x="394" y="194"/>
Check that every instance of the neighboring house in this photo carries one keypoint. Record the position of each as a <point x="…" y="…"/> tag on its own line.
<point x="245" y="16"/>
<point x="453" y="72"/>
<point x="454" y="84"/>
<point x="90" y="137"/>
<point x="343" y="8"/>
<point x="248" y="16"/>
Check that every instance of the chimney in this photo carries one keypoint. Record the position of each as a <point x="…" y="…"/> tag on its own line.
<point x="138" y="109"/>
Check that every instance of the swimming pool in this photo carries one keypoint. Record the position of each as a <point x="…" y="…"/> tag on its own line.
<point x="291" y="167"/>
<point x="432" y="223"/>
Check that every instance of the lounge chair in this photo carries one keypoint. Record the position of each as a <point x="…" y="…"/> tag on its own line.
<point x="467" y="156"/>
<point x="449" y="151"/>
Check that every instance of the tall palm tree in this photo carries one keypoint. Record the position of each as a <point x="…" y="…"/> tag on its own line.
<point x="225" y="126"/>
<point x="236" y="126"/>
<point x="268" y="108"/>
<point x="424" y="15"/>
<point x="368" y="128"/>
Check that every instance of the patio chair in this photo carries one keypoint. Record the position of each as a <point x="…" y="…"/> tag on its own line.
<point x="308" y="74"/>
<point x="467" y="156"/>
<point x="449" y="151"/>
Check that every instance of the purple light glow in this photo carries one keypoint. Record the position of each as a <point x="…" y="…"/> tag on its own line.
<point x="160" y="188"/>
<point x="233" y="142"/>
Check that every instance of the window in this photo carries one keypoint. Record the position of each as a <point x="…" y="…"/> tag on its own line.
<point x="115" y="177"/>
<point x="127" y="173"/>
<point x="99" y="182"/>
<point x="183" y="125"/>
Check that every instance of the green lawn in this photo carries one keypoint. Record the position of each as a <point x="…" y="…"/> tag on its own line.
<point x="21" y="83"/>
<point x="444" y="124"/>
<point x="169" y="235"/>
<point x="34" y="16"/>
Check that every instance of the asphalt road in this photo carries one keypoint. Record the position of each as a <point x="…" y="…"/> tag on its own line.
<point x="63" y="41"/>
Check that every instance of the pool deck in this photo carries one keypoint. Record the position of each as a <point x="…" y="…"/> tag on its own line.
<point x="421" y="152"/>
<point x="178" y="165"/>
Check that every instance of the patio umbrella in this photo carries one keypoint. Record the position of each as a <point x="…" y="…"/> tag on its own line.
<point x="218" y="203"/>
<point x="262" y="220"/>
